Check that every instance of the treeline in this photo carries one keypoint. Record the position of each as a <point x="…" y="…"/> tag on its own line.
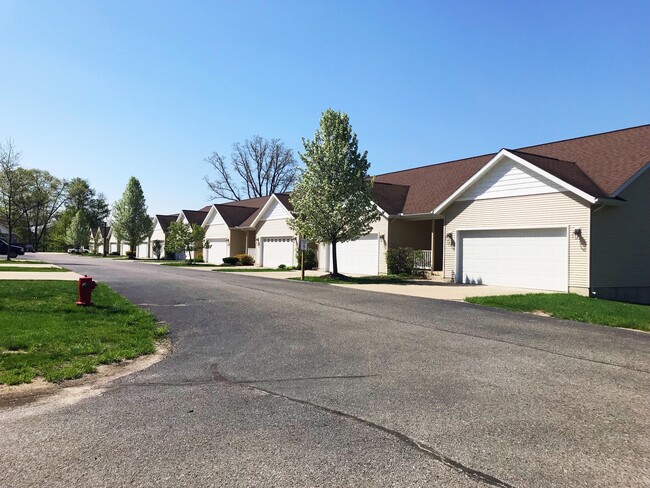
<point x="40" y="209"/>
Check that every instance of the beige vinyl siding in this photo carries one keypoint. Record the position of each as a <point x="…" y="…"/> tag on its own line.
<point x="530" y="211"/>
<point x="237" y="242"/>
<point x="217" y="231"/>
<point x="621" y="251"/>
<point x="274" y="228"/>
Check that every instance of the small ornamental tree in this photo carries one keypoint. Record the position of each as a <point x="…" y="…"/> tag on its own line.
<point x="76" y="234"/>
<point x="131" y="223"/>
<point x="187" y="238"/>
<point x="332" y="199"/>
<point x="156" y="248"/>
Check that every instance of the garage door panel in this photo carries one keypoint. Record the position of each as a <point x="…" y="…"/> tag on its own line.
<point x="526" y="258"/>
<point x="277" y="251"/>
<point x="358" y="257"/>
<point x="217" y="251"/>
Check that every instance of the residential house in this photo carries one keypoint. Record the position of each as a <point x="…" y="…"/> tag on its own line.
<point x="159" y="233"/>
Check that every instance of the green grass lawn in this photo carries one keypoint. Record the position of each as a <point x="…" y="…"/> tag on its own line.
<point x="21" y="261"/>
<point x="31" y="269"/>
<point x="183" y="264"/>
<point x="360" y="280"/>
<point x="574" y="307"/>
<point x="44" y="334"/>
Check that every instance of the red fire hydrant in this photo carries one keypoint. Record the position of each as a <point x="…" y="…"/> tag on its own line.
<point x="86" y="287"/>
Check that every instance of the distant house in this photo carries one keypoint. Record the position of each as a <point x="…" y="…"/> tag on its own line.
<point x="159" y="233"/>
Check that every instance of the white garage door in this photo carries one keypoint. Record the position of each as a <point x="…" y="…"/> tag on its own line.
<point x="217" y="251"/>
<point x="358" y="257"/>
<point x="143" y="251"/>
<point x="277" y="251"/>
<point x="525" y="258"/>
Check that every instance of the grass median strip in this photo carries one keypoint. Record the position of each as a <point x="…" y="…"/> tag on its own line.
<point x="31" y="269"/>
<point x="44" y="334"/>
<point x="574" y="307"/>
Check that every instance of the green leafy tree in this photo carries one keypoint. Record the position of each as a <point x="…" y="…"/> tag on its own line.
<point x="12" y="185"/>
<point x="332" y="198"/>
<point x="131" y="223"/>
<point x="80" y="197"/>
<point x="156" y="248"/>
<point x="39" y="203"/>
<point x="77" y="234"/>
<point x="187" y="238"/>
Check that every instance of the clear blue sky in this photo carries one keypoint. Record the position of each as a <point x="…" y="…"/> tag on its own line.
<point x="106" y="90"/>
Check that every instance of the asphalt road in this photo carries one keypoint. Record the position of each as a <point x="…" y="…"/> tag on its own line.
<point x="279" y="383"/>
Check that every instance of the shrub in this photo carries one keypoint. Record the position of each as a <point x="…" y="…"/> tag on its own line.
<point x="245" y="259"/>
<point x="170" y="255"/>
<point x="156" y="248"/>
<point x="114" y="253"/>
<point x="130" y="254"/>
<point x="282" y="266"/>
<point x="231" y="261"/>
<point x="403" y="260"/>
<point x="311" y="261"/>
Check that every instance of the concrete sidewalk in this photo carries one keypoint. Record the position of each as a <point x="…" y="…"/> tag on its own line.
<point x="42" y="276"/>
<point x="36" y="275"/>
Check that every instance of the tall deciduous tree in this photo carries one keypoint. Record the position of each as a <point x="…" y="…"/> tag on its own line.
<point x="81" y="196"/>
<point x="77" y="234"/>
<point x="42" y="198"/>
<point x="332" y="198"/>
<point x="12" y="184"/>
<point x="183" y="237"/>
<point x="258" y="167"/>
<point x="130" y="220"/>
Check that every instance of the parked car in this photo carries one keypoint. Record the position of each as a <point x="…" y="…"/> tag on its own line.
<point x="81" y="250"/>
<point x="14" y="251"/>
<point x="27" y="247"/>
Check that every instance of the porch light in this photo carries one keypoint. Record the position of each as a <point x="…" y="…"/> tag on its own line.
<point x="450" y="238"/>
<point x="383" y="238"/>
<point x="577" y="232"/>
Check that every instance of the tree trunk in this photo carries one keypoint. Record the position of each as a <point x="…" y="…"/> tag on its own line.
<point x="335" y="264"/>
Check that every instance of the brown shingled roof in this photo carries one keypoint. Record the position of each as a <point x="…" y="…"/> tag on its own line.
<point x="430" y="185"/>
<point x="390" y="198"/>
<point x="565" y="170"/>
<point x="196" y="216"/>
<point x="234" y="215"/>
<point x="165" y="220"/>
<point x="597" y="164"/>
<point x="285" y="199"/>
<point x="256" y="204"/>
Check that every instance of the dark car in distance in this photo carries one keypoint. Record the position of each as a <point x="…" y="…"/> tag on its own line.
<point x="14" y="250"/>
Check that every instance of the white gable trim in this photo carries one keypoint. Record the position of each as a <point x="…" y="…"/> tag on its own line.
<point x="266" y="206"/>
<point x="631" y="180"/>
<point x="210" y="217"/>
<point x="495" y="160"/>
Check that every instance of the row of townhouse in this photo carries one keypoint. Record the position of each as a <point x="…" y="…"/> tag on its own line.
<point x="572" y="215"/>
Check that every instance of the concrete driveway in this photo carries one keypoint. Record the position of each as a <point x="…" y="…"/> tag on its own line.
<point x="280" y="383"/>
<point x="422" y="288"/>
